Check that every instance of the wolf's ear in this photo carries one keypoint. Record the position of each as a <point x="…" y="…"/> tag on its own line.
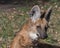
<point x="48" y="13"/>
<point x="35" y="12"/>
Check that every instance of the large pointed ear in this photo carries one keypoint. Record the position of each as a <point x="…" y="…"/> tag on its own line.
<point x="35" y="12"/>
<point x="48" y="13"/>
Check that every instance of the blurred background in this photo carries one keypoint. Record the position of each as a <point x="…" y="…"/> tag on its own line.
<point x="13" y="14"/>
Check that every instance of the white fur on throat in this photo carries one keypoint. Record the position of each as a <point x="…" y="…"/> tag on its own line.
<point x="33" y="35"/>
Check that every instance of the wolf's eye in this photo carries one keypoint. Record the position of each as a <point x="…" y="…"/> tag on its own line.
<point x="38" y="27"/>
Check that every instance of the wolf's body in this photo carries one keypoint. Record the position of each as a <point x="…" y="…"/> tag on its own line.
<point x="34" y="29"/>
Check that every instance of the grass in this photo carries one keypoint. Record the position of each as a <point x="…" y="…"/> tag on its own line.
<point x="11" y="21"/>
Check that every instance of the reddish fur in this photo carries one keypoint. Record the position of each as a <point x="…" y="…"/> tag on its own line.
<point x="22" y="39"/>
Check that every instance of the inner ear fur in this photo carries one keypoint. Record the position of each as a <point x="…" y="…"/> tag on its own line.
<point x="48" y="13"/>
<point x="35" y="11"/>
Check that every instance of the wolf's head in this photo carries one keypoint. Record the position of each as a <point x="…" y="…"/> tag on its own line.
<point x="39" y="22"/>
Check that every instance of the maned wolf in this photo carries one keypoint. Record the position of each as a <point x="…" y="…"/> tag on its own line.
<point x="34" y="29"/>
